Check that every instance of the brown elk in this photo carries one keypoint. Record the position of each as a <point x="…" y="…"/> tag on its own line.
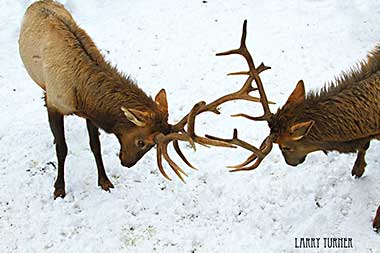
<point x="344" y="116"/>
<point x="63" y="60"/>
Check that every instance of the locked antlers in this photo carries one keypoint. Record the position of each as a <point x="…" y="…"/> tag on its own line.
<point x="179" y="133"/>
<point x="253" y="75"/>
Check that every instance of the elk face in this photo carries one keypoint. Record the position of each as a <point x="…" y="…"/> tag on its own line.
<point x="137" y="140"/>
<point x="134" y="143"/>
<point x="293" y="148"/>
<point x="291" y="128"/>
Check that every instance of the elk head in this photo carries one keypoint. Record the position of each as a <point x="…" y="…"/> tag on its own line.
<point x="135" y="141"/>
<point x="291" y="127"/>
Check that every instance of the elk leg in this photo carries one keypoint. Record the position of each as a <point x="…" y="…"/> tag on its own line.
<point x="93" y="132"/>
<point x="360" y="163"/>
<point x="376" y="221"/>
<point x="57" y="128"/>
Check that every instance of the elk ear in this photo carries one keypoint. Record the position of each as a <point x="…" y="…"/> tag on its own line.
<point x="137" y="117"/>
<point x="161" y="100"/>
<point x="300" y="130"/>
<point x="298" y="94"/>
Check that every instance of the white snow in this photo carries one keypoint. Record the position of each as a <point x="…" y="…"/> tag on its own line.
<point x="172" y="45"/>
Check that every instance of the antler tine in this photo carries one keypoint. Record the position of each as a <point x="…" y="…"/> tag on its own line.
<point x="179" y="152"/>
<point x="163" y="141"/>
<point x="162" y="146"/>
<point x="159" y="163"/>
<point x="236" y="141"/>
<point x="259" y="69"/>
<point x="242" y="50"/>
<point x="258" y="154"/>
<point x="253" y="75"/>
<point x="191" y="125"/>
<point x="265" y="148"/>
<point x="174" y="166"/>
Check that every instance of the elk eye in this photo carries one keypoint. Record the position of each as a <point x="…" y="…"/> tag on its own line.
<point x="141" y="144"/>
<point x="286" y="149"/>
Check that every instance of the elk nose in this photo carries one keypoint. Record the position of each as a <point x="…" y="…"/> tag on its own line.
<point x="292" y="163"/>
<point x="127" y="164"/>
<point x="125" y="161"/>
<point x="295" y="162"/>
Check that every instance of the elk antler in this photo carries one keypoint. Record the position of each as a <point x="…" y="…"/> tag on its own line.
<point x="178" y="132"/>
<point x="253" y="74"/>
<point x="258" y="154"/>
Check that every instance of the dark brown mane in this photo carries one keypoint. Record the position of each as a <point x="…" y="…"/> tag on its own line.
<point x="84" y="42"/>
<point x="86" y="46"/>
<point x="109" y="93"/>
<point x="360" y="72"/>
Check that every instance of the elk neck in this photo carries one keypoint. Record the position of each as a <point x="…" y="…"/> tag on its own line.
<point x="103" y="91"/>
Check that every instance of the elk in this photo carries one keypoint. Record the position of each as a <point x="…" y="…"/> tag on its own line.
<point x="63" y="60"/>
<point x="344" y="116"/>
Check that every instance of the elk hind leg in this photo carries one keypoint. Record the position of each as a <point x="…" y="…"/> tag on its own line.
<point x="56" y="123"/>
<point x="360" y="163"/>
<point x="93" y="132"/>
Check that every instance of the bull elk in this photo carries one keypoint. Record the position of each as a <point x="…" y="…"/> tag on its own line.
<point x="63" y="60"/>
<point x="344" y="116"/>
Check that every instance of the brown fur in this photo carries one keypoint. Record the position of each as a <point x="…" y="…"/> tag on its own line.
<point x="345" y="115"/>
<point x="63" y="60"/>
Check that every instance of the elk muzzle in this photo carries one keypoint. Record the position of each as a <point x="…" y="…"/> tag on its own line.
<point x="292" y="159"/>
<point x="125" y="161"/>
<point x="129" y="158"/>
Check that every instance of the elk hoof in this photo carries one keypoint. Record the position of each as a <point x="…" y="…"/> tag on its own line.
<point x="376" y="221"/>
<point x="358" y="169"/>
<point x="59" y="192"/>
<point x="105" y="183"/>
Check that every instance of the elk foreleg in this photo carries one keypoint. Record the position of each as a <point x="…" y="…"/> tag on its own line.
<point x="57" y="128"/>
<point x="376" y="221"/>
<point x="93" y="132"/>
<point x="360" y="163"/>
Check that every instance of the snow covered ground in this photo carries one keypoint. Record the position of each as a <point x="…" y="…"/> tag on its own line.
<point x="172" y="44"/>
